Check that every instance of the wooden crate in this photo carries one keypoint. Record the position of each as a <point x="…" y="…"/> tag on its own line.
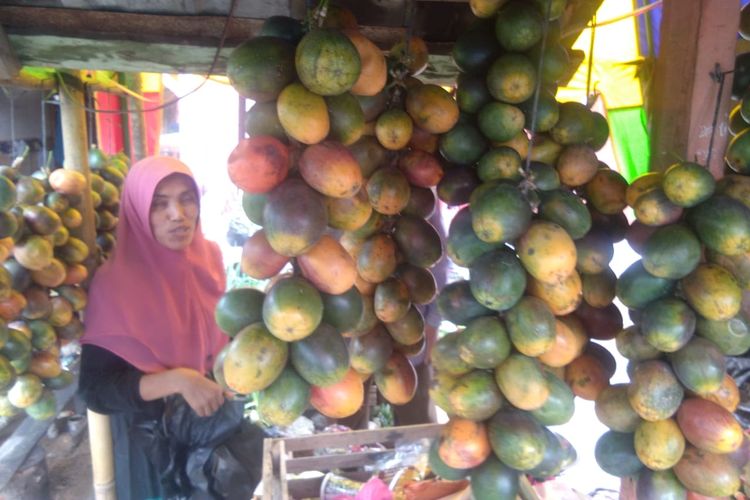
<point x="284" y="456"/>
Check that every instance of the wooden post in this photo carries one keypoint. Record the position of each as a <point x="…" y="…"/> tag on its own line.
<point x="75" y="137"/>
<point x="697" y="37"/>
<point x="102" y="461"/>
<point x="73" y="117"/>
<point x="136" y="118"/>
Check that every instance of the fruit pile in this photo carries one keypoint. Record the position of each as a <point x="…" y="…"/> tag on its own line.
<point x="107" y="178"/>
<point x="537" y="242"/>
<point x="672" y="425"/>
<point x="40" y="280"/>
<point x="338" y="171"/>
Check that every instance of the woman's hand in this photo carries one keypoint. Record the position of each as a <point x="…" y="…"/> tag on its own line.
<point x="203" y="395"/>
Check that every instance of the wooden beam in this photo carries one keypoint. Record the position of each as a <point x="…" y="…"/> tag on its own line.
<point x="109" y="25"/>
<point x="75" y="146"/>
<point x="685" y="95"/>
<point x="29" y="83"/>
<point x="9" y="65"/>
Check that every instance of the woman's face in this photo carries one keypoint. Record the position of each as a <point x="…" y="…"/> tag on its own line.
<point x="174" y="212"/>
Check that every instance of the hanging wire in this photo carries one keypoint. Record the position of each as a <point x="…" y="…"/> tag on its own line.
<point x="12" y="125"/>
<point x="719" y="77"/>
<point x="90" y="115"/>
<point x="537" y="88"/>
<point x="590" y="68"/>
<point x="222" y="40"/>
<point x="636" y="13"/>
<point x="44" y="126"/>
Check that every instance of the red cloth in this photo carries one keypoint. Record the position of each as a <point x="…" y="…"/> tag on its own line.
<point x="374" y="489"/>
<point x="108" y="125"/>
<point x="152" y="306"/>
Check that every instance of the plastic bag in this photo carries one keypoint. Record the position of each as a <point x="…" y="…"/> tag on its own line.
<point x="193" y="454"/>
<point x="236" y="466"/>
<point x="739" y="368"/>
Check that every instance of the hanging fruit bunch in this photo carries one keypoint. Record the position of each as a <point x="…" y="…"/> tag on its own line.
<point x="539" y="217"/>
<point x="107" y="178"/>
<point x="338" y="204"/>
<point x="40" y="285"/>
<point x="672" y="425"/>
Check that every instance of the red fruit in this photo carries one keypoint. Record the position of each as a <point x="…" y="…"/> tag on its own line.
<point x="258" y="164"/>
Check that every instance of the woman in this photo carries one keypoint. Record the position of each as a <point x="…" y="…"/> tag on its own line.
<point x="150" y="330"/>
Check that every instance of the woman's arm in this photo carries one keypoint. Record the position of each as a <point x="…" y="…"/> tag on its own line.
<point x="109" y="384"/>
<point x="203" y="395"/>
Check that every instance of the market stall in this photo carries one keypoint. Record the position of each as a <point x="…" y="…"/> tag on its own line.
<point x="438" y="194"/>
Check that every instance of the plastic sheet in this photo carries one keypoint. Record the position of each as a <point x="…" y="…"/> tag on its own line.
<point x="739" y="368"/>
<point x="218" y="456"/>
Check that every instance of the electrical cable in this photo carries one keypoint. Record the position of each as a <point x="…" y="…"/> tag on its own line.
<point x="211" y="69"/>
<point x="537" y="88"/>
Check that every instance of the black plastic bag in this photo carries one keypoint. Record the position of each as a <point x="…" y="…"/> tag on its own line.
<point x="182" y="445"/>
<point x="739" y="368"/>
<point x="235" y="467"/>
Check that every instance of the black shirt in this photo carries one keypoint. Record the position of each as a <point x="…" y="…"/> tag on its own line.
<point x="109" y="384"/>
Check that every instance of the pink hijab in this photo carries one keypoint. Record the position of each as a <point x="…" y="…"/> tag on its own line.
<point x="152" y="306"/>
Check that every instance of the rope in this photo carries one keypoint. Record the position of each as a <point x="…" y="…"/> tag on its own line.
<point x="537" y="89"/>
<point x="222" y="40"/>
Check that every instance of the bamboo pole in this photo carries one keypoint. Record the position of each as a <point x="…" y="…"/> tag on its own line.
<point x="75" y="137"/>
<point x="102" y="462"/>
<point x="73" y="118"/>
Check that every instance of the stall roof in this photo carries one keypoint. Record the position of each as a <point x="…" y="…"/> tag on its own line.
<point x="182" y="36"/>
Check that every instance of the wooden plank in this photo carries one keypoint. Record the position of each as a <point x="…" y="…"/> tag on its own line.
<point x="130" y="57"/>
<point x="157" y="29"/>
<point x="108" y="25"/>
<point x="717" y="39"/>
<point x="9" y="65"/>
<point x="256" y="8"/>
<point x="330" y="462"/>
<point x="29" y="83"/>
<point x="684" y="94"/>
<point x="268" y="475"/>
<point x="17" y="447"/>
<point x="340" y="439"/>
<point x="115" y="55"/>
<point x="283" y="470"/>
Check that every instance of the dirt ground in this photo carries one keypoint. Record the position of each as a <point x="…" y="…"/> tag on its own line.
<point x="69" y="467"/>
<point x="58" y="469"/>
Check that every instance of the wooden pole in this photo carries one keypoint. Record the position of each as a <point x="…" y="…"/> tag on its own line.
<point x="75" y="138"/>
<point x="697" y="38"/>
<point x="136" y="118"/>
<point x="102" y="462"/>
<point x="73" y="117"/>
